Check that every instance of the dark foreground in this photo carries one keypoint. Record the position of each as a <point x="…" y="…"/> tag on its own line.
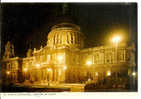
<point x="8" y="88"/>
<point x="13" y="88"/>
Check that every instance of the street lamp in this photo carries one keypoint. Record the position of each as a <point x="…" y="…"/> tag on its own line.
<point x="25" y="69"/>
<point x="89" y="63"/>
<point x="89" y="79"/>
<point x="8" y="72"/>
<point x="108" y="73"/>
<point x="134" y="73"/>
<point x="65" y="67"/>
<point x="96" y="73"/>
<point x="116" y="40"/>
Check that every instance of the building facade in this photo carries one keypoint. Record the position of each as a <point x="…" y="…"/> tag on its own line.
<point x="65" y="60"/>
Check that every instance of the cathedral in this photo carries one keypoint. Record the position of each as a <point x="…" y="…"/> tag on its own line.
<point x="65" y="60"/>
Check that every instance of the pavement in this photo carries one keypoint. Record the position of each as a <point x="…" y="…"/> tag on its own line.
<point x="73" y="87"/>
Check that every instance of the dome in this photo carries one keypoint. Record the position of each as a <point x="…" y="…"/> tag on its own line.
<point x="65" y="35"/>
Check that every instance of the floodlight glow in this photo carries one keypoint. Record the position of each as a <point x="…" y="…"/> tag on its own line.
<point x="108" y="73"/>
<point x="25" y="69"/>
<point x="60" y="57"/>
<point x="65" y="67"/>
<point x="134" y="73"/>
<point x="8" y="72"/>
<point x="89" y="63"/>
<point x="116" y="39"/>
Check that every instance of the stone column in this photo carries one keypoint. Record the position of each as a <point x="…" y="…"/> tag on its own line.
<point x="57" y="75"/>
<point x="124" y="55"/>
<point x="44" y="75"/>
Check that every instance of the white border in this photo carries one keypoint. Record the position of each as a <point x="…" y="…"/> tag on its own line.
<point x="99" y="95"/>
<point x="70" y="95"/>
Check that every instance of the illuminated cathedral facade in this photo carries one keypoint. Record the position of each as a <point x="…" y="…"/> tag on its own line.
<point x="65" y="60"/>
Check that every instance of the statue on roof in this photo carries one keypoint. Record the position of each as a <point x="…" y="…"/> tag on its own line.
<point x="29" y="53"/>
<point x="9" y="50"/>
<point x="12" y="50"/>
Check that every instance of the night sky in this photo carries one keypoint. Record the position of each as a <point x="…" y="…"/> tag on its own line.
<point x="27" y="25"/>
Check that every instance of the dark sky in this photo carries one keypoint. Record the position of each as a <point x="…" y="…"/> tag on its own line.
<point x="27" y="25"/>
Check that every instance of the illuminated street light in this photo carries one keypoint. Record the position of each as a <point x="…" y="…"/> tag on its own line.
<point x="89" y="63"/>
<point x="89" y="79"/>
<point x="8" y="72"/>
<point x="116" y="39"/>
<point x="25" y="69"/>
<point x="65" y="67"/>
<point x="38" y="65"/>
<point x="108" y="73"/>
<point x="134" y="73"/>
<point x="96" y="73"/>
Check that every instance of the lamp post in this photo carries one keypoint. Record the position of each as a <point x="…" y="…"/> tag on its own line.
<point x="134" y="73"/>
<point x="116" y="41"/>
<point x="109" y="73"/>
<point x="88" y="63"/>
<point x="25" y="71"/>
<point x="134" y="80"/>
<point x="8" y="75"/>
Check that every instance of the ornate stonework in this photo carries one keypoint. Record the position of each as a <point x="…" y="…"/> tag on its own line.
<point x="66" y="35"/>
<point x="9" y="51"/>
<point x="64" y="60"/>
<point x="29" y="53"/>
